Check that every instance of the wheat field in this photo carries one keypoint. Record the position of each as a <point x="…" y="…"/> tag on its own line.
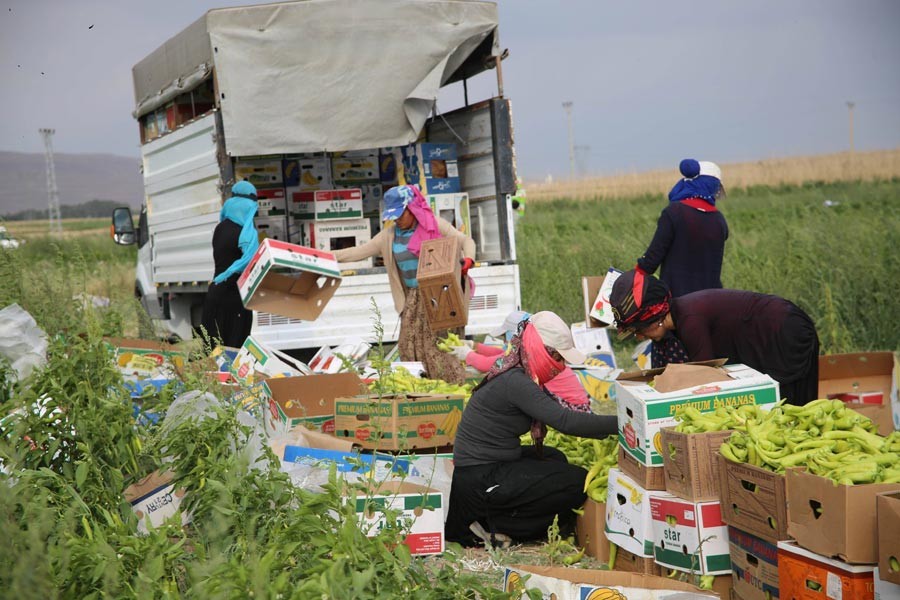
<point x="826" y="168"/>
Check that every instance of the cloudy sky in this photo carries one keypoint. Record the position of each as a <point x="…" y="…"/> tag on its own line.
<point x="651" y="81"/>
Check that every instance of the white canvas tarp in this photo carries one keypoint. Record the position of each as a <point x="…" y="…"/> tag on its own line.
<point x="338" y="74"/>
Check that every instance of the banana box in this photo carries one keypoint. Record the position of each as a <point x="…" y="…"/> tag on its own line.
<point x="628" y="523"/>
<point x="372" y="195"/>
<point x="312" y="173"/>
<point x="399" y="422"/>
<point x="417" y="510"/>
<point x="354" y="170"/>
<point x="271" y="202"/>
<point x="645" y="406"/>
<point x="566" y="583"/>
<point x="260" y="173"/>
<point x="307" y="400"/>
<point x="145" y="359"/>
<point x="689" y="536"/>
<point x="431" y="166"/>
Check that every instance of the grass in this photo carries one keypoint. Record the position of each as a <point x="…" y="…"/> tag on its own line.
<point x="829" y="168"/>
<point x="838" y="261"/>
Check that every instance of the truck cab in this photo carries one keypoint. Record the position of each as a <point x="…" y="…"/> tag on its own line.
<point x="303" y="97"/>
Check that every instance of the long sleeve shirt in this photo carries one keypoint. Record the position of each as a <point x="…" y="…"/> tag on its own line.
<point x="503" y="409"/>
<point x="690" y="245"/>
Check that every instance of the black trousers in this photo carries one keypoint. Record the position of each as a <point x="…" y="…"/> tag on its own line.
<point x="224" y="315"/>
<point x="518" y="498"/>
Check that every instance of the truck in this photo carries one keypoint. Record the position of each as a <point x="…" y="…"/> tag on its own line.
<point x="301" y="95"/>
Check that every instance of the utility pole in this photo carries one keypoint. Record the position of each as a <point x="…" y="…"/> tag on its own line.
<point x="850" y="106"/>
<point x="567" y="106"/>
<point x="53" y="216"/>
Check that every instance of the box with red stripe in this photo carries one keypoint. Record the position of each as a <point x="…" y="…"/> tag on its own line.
<point x="289" y="280"/>
<point x="415" y="510"/>
<point x="689" y="536"/>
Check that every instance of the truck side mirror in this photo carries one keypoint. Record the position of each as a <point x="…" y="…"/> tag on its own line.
<point x="123" y="226"/>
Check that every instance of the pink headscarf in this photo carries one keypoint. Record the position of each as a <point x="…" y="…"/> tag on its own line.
<point x="428" y="225"/>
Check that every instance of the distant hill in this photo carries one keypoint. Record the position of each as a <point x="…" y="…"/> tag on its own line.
<point x="80" y="178"/>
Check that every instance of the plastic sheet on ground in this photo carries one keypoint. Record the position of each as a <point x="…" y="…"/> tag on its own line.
<point x="22" y="343"/>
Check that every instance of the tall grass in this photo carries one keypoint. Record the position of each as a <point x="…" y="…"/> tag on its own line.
<point x="55" y="280"/>
<point x="861" y="166"/>
<point x="830" y="248"/>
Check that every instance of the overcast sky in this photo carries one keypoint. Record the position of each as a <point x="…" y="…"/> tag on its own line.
<point x="651" y="82"/>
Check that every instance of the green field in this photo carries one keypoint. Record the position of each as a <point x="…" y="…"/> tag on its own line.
<point x="72" y="444"/>
<point x="830" y="248"/>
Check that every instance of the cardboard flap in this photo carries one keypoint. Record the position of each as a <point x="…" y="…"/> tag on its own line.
<point x="858" y="372"/>
<point x="153" y="481"/>
<point x="684" y="376"/>
<point x="648" y="374"/>
<point x="312" y="394"/>
<point x="307" y="438"/>
<point x="614" y="578"/>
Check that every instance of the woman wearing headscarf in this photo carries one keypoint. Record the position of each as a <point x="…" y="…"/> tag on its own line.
<point x="502" y="490"/>
<point x="409" y="222"/>
<point x="235" y="240"/>
<point x="765" y="332"/>
<point x="483" y="357"/>
<point x="690" y="235"/>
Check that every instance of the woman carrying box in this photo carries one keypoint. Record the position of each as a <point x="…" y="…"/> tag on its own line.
<point x="409" y="222"/>
<point x="764" y="332"/>
<point x="504" y="491"/>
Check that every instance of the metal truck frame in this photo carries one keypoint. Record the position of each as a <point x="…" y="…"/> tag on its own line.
<point x="188" y="166"/>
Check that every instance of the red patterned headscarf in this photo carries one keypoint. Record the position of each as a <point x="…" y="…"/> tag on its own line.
<point x="527" y="351"/>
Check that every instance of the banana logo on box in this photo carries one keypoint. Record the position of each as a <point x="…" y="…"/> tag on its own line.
<point x="606" y="594"/>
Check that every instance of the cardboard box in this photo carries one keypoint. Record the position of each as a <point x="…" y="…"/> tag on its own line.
<point x="805" y="575"/>
<point x="644" y="410"/>
<point x="753" y="500"/>
<point x="154" y="499"/>
<point x="433" y="167"/>
<point x="308" y="173"/>
<point x="453" y="208"/>
<point x="260" y="173"/>
<point x="563" y="583"/>
<point x="845" y="525"/>
<point x="887" y="519"/>
<point x="421" y="514"/>
<point x="338" y="205"/>
<point x="301" y="204"/>
<point x="885" y="590"/>
<point x="691" y="463"/>
<point x="689" y="536"/>
<point x="862" y="376"/>
<point x="439" y="277"/>
<point x="330" y="236"/>
<point x="387" y="168"/>
<point x="590" y="530"/>
<point x="599" y="385"/>
<point x="632" y="563"/>
<point x="146" y="359"/>
<point x="355" y="170"/>
<point x="649" y="478"/>
<point x="372" y="195"/>
<point x="754" y="565"/>
<point x="289" y="280"/>
<point x="272" y="228"/>
<point x="254" y="362"/>
<point x="596" y="297"/>
<point x="413" y="421"/>
<point x="307" y="400"/>
<point x="594" y="343"/>
<point x="272" y="203"/>
<point x="628" y="523"/>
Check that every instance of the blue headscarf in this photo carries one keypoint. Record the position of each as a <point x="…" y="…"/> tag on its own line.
<point x="241" y="208"/>
<point x="701" y="180"/>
